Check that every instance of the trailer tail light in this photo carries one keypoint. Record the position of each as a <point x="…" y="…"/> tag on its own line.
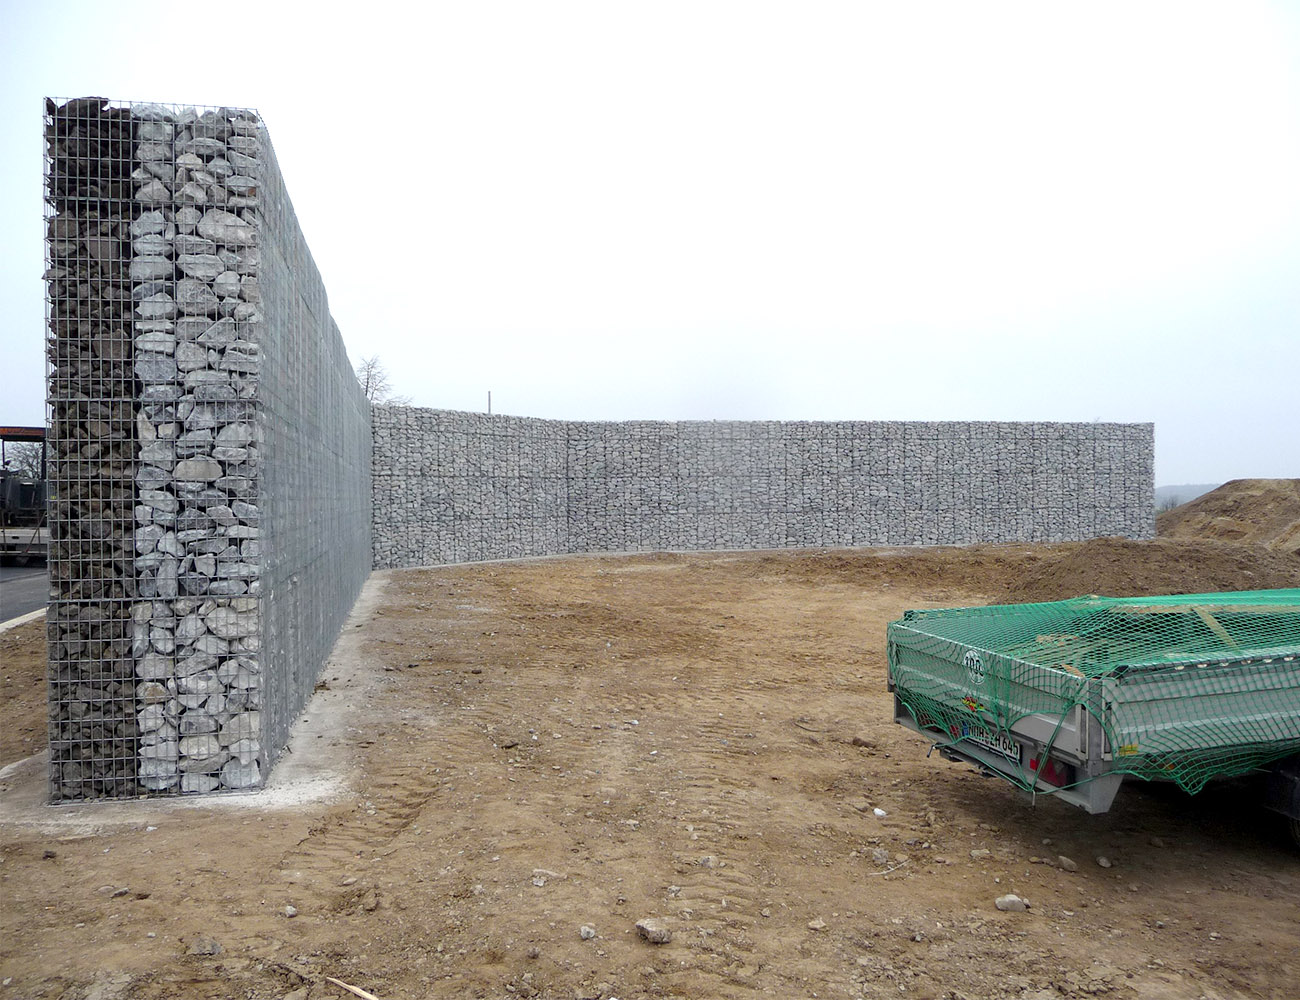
<point x="1052" y="772"/>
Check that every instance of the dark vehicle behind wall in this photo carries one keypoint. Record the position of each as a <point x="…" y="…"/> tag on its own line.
<point x="23" y="535"/>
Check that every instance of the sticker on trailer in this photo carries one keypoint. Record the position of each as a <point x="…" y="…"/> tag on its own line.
<point x="974" y="667"/>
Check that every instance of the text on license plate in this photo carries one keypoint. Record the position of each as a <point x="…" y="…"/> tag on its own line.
<point x="990" y="740"/>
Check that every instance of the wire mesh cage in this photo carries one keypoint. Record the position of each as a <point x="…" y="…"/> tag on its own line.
<point x="181" y="644"/>
<point x="93" y="731"/>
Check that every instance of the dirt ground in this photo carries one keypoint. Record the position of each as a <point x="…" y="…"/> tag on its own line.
<point x="524" y="750"/>
<point x="1264" y="511"/>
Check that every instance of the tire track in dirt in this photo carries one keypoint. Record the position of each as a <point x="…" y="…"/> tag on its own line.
<point x="720" y="892"/>
<point x="389" y="804"/>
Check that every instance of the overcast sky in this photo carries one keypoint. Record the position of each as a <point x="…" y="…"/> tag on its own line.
<point x="1015" y="211"/>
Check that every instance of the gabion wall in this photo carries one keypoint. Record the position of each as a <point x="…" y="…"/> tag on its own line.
<point x="451" y="487"/>
<point x="209" y="440"/>
<point x="457" y="487"/>
<point x="214" y="480"/>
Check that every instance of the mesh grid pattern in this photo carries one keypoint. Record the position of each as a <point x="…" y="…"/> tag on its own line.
<point x="314" y="430"/>
<point x="89" y="159"/>
<point x="176" y="553"/>
<point x="452" y="487"/>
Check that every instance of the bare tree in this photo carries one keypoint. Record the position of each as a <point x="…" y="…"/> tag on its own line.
<point x="23" y="458"/>
<point x="373" y="377"/>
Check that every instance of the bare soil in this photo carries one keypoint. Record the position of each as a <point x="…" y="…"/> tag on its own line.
<point x="1262" y="511"/>
<point x="22" y="691"/>
<point x="702" y="739"/>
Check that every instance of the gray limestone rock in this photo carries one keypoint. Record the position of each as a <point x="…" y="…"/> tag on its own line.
<point x="154" y="667"/>
<point x="190" y="245"/>
<point x="197" y="470"/>
<point x="159" y="453"/>
<point x="192" y="193"/>
<point x="150" y="268"/>
<point x="220" y="168"/>
<point x="197" y="723"/>
<point x="226" y="228"/>
<point x="654" y="931"/>
<point x="195" y="442"/>
<point x="243" y="726"/>
<point x="152" y="245"/>
<point x="237" y="775"/>
<point x="199" y="783"/>
<point x="223" y="332"/>
<point x="228" y="623"/>
<point x="204" y="266"/>
<point x="155" y="368"/>
<point x="195" y="298"/>
<point x="210" y="386"/>
<point x="241" y="185"/>
<point x="153" y="193"/>
<point x="226" y="284"/>
<point x="237" y="361"/>
<point x="155" y="131"/>
<point x="207" y="148"/>
<point x="188" y="219"/>
<point x="236" y="435"/>
<point x="157" y="342"/>
<point x="146" y="223"/>
<point x="157" y="306"/>
<point x="150" y="477"/>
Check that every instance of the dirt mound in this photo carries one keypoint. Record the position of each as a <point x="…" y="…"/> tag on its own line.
<point x="987" y="569"/>
<point x="1264" y="511"/>
<point x="1122" y="567"/>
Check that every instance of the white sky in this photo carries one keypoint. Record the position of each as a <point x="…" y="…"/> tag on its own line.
<point x="1018" y="211"/>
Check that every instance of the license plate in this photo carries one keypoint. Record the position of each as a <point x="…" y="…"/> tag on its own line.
<point x="999" y="743"/>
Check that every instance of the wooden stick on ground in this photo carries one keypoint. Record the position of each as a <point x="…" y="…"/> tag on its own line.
<point x="351" y="989"/>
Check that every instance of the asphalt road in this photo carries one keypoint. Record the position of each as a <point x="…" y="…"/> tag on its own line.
<point x="22" y="589"/>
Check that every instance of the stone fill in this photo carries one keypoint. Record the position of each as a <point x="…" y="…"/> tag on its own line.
<point x="175" y="269"/>
<point x="453" y="487"/>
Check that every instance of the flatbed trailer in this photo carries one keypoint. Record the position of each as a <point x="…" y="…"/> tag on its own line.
<point x="24" y="544"/>
<point x="1069" y="698"/>
<point x="23" y="532"/>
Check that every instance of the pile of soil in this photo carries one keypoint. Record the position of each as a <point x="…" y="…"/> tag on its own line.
<point x="1122" y="567"/>
<point x="1262" y="511"/>
<point x="984" y="569"/>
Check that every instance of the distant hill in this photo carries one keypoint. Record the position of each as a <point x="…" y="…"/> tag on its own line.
<point x="1263" y="511"/>
<point x="1182" y="494"/>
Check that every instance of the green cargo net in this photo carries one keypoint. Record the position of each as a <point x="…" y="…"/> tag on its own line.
<point x="1182" y="688"/>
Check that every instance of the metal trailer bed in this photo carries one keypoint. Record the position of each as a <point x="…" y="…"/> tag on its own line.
<point x="24" y="544"/>
<point x="1022" y="708"/>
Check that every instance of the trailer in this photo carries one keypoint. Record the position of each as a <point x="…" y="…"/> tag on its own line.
<point x="23" y="532"/>
<point x="1069" y="698"/>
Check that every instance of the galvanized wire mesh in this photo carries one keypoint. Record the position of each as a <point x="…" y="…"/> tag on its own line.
<point x="314" y="430"/>
<point x="89" y="159"/>
<point x="162" y="417"/>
